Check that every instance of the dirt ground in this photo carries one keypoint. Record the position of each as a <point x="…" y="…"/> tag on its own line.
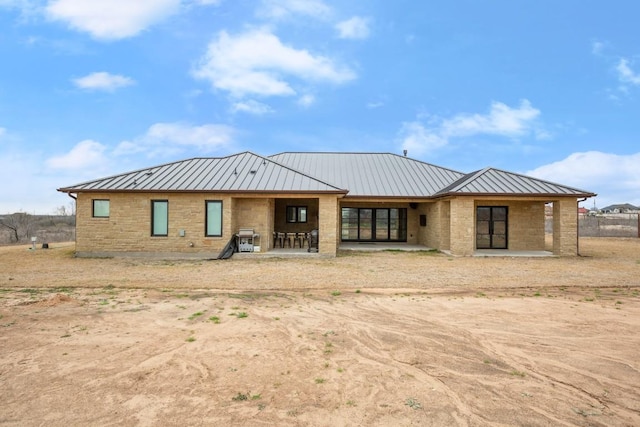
<point x="365" y="339"/>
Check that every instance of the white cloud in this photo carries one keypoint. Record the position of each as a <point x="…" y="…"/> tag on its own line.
<point x="306" y="100"/>
<point x="251" y="107"/>
<point x="86" y="154"/>
<point x="501" y="120"/>
<point x="417" y="139"/>
<point x="626" y="74"/>
<point x="112" y="19"/>
<point x="354" y="28"/>
<point x="103" y="81"/>
<point x="616" y="178"/>
<point x="258" y="63"/>
<point x="280" y="9"/>
<point x="597" y="47"/>
<point x="170" y="139"/>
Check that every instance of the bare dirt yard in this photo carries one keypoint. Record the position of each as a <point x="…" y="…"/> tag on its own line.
<point x="365" y="339"/>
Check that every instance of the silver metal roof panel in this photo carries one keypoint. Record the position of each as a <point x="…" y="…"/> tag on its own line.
<point x="241" y="172"/>
<point x="495" y="181"/>
<point x="372" y="174"/>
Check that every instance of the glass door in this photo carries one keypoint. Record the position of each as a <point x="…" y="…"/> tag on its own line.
<point x="491" y="227"/>
<point x="366" y="224"/>
<point x="374" y="224"/>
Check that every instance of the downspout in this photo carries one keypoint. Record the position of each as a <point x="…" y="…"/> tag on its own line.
<point x="75" y="234"/>
<point x="578" y="225"/>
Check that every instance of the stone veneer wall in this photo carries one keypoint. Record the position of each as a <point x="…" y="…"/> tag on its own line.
<point x="565" y="227"/>
<point x="328" y="225"/>
<point x="127" y="230"/>
<point x="462" y="226"/>
<point x="526" y="223"/>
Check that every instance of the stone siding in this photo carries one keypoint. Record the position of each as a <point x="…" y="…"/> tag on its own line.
<point x="127" y="230"/>
<point x="565" y="227"/>
<point x="525" y="223"/>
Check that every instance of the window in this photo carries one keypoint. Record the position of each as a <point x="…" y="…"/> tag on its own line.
<point x="159" y="218"/>
<point x="100" y="208"/>
<point x="213" y="218"/>
<point x="296" y="214"/>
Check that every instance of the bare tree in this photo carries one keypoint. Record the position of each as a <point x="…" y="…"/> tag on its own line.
<point x="20" y="225"/>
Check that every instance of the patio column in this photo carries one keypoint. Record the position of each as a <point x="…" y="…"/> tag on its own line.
<point x="328" y="224"/>
<point x="565" y="227"/>
<point x="462" y="225"/>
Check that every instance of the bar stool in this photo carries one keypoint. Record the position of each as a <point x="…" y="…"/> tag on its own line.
<point x="287" y="238"/>
<point x="278" y="238"/>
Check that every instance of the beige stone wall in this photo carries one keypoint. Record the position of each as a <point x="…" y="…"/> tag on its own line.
<point x="329" y="225"/>
<point x="450" y="223"/>
<point x="565" y="227"/>
<point x="128" y="228"/>
<point x="462" y="226"/>
<point x="436" y="233"/>
<point x="525" y="223"/>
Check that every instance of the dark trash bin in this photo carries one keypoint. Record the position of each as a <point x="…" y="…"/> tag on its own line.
<point x="313" y="241"/>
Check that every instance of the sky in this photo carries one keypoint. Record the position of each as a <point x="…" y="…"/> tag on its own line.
<point x="93" y="88"/>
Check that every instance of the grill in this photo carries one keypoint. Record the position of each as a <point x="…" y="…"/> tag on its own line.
<point x="246" y="239"/>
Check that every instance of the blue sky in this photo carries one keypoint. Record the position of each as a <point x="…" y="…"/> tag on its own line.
<point x="91" y="88"/>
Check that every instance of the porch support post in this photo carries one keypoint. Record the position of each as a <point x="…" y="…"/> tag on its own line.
<point x="328" y="224"/>
<point x="565" y="227"/>
<point x="462" y="226"/>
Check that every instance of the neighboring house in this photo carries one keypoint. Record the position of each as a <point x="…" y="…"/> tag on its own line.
<point x="621" y="208"/>
<point x="195" y="206"/>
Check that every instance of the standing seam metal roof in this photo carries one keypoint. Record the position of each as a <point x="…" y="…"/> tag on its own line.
<point x="372" y="174"/>
<point x="358" y="174"/>
<point x="496" y="181"/>
<point x="241" y="172"/>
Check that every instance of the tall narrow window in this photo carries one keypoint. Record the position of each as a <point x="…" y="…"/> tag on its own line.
<point x="100" y="208"/>
<point x="213" y="225"/>
<point x="159" y="218"/>
<point x="296" y="214"/>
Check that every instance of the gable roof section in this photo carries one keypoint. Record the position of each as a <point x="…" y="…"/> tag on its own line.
<point x="372" y="174"/>
<point x="492" y="181"/>
<point x="246" y="172"/>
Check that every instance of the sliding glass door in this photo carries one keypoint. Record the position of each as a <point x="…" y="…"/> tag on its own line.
<point x="374" y="224"/>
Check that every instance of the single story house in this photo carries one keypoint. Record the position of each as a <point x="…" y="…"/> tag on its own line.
<point x="194" y="207"/>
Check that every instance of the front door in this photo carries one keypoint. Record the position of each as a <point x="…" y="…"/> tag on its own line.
<point x="491" y="227"/>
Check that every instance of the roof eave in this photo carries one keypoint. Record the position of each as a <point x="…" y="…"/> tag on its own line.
<point x="83" y="190"/>
<point x="455" y="194"/>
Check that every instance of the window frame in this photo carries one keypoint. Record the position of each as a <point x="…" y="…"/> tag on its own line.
<point x="293" y="214"/>
<point x="206" y="217"/>
<point x="93" y="208"/>
<point x="153" y="218"/>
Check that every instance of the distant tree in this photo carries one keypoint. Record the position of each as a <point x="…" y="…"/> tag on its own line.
<point x="20" y="225"/>
<point x="63" y="210"/>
